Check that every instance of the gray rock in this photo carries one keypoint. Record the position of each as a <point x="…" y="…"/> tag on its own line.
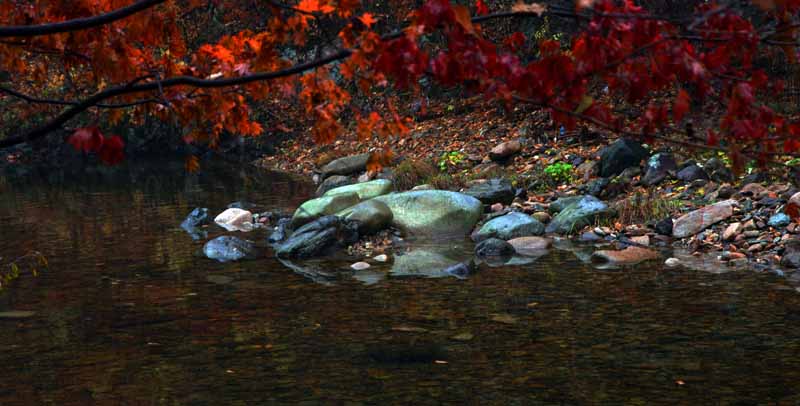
<point x="510" y="226"/>
<point x="461" y="270"/>
<point x="791" y="254"/>
<point x="578" y="215"/>
<point x="596" y="186"/>
<point x="437" y="213"/>
<point x="563" y="202"/>
<point x="346" y="166"/>
<point x="432" y="262"/>
<point x="623" y="153"/>
<point x="692" y="173"/>
<point x="317" y="238"/>
<point x="659" y="166"/>
<point x="779" y="220"/>
<point x="323" y="206"/>
<point x="664" y="227"/>
<point x="227" y="248"/>
<point x="333" y="182"/>
<point x="696" y="221"/>
<point x="493" y="191"/>
<point x="494" y="247"/>
<point x="198" y="217"/>
<point x="370" y="216"/>
<point x="365" y="190"/>
<point x="279" y="232"/>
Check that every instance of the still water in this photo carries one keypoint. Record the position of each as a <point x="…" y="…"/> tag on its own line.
<point x="129" y="313"/>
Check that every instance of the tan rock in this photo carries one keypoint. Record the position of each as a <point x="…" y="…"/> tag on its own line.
<point x="628" y="256"/>
<point x="732" y="231"/>
<point x="530" y="245"/>
<point x="694" y="222"/>
<point x="505" y="150"/>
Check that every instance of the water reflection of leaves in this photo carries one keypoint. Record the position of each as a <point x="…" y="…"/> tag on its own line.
<point x="31" y="263"/>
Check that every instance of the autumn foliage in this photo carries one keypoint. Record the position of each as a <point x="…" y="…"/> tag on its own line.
<point x="88" y="65"/>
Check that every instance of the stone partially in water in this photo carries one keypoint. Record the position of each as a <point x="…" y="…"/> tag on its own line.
<point x="428" y="261"/>
<point x="198" y="217"/>
<point x="438" y="213"/>
<point x="333" y="182"/>
<point x="323" y="206"/>
<point x="494" y="247"/>
<point x="370" y="216"/>
<point x="365" y="190"/>
<point x="531" y="246"/>
<point x="578" y="215"/>
<point x="694" y="222"/>
<point x="235" y="220"/>
<point x="628" y="256"/>
<point x="317" y="238"/>
<point x="227" y="248"/>
<point x="512" y="225"/>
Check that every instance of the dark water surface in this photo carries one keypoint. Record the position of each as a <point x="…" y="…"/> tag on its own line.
<point x="129" y="314"/>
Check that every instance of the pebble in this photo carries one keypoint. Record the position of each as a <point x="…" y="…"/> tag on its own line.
<point x="672" y="262"/>
<point x="360" y="266"/>
<point x="381" y="258"/>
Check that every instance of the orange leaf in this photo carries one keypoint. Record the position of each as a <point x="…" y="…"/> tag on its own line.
<point x="367" y="19"/>
<point x="379" y="159"/>
<point x="521" y="7"/>
<point x="765" y="5"/>
<point x="192" y="164"/>
<point x="463" y="19"/>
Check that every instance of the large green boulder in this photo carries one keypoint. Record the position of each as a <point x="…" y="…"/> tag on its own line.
<point x="438" y="213"/>
<point x="365" y="191"/>
<point x="323" y="206"/>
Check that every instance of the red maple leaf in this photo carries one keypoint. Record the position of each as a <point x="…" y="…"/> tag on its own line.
<point x="481" y="8"/>
<point x="86" y="139"/>
<point x="681" y="105"/>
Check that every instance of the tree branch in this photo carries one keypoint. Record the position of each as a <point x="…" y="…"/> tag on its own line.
<point x="78" y="24"/>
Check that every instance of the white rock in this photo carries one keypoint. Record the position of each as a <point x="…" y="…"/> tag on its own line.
<point x="672" y="262"/>
<point x="235" y="220"/>
<point x="360" y="266"/>
<point x="381" y="258"/>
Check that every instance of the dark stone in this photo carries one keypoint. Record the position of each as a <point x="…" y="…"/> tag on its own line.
<point x="227" y="248"/>
<point x="590" y="236"/>
<point x="659" y="166"/>
<point x="196" y="218"/>
<point x="755" y="177"/>
<point x="626" y="177"/>
<point x="692" y="173"/>
<point x="623" y="153"/>
<point x="664" y="227"/>
<point x="725" y="191"/>
<point x="791" y="254"/>
<point x="596" y="187"/>
<point x="279" y="231"/>
<point x="493" y="191"/>
<point x="494" y="247"/>
<point x="318" y="238"/>
<point x="333" y="182"/>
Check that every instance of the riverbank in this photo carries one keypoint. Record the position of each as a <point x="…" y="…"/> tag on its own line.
<point x="649" y="197"/>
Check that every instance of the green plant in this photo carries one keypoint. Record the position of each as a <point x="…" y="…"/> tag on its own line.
<point x="445" y="181"/>
<point x="641" y="208"/>
<point x="559" y="172"/>
<point x="11" y="270"/>
<point x="792" y="162"/>
<point x="452" y="158"/>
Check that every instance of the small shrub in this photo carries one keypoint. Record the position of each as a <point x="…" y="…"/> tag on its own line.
<point x="413" y="172"/>
<point x="450" y="159"/>
<point x="640" y="208"/>
<point x="445" y="181"/>
<point x="559" y="172"/>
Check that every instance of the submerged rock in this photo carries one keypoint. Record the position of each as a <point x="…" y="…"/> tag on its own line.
<point x="578" y="215"/>
<point x="235" y="220"/>
<point x="323" y="206"/>
<point x="510" y="226"/>
<point x="279" y="232"/>
<point x="365" y="190"/>
<point x="622" y="154"/>
<point x="437" y="213"/>
<point x="531" y="246"/>
<point x="227" y="248"/>
<point x="317" y="238"/>
<point x="431" y="262"/>
<point x="494" y="247"/>
<point x="493" y="191"/>
<point x="346" y="166"/>
<point x="694" y="222"/>
<point x="628" y="256"/>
